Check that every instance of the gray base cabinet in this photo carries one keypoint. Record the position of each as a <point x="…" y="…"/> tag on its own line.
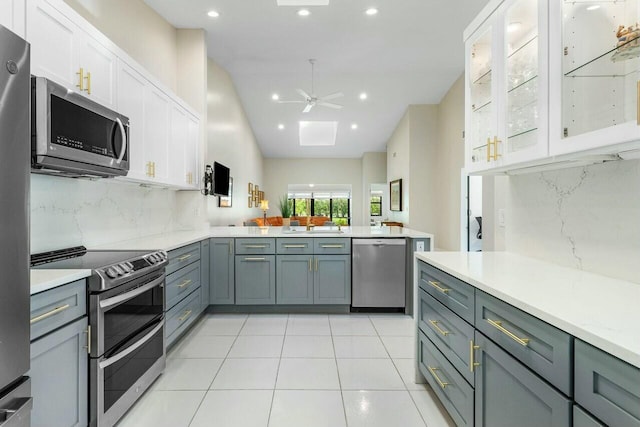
<point x="205" y="264"/>
<point x="509" y="394"/>
<point x="332" y="279"/>
<point x="59" y="382"/>
<point x="255" y="279"/>
<point x="222" y="276"/>
<point x="294" y="279"/>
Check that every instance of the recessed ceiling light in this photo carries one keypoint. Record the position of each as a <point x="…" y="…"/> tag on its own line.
<point x="311" y="185"/>
<point x="275" y="97"/>
<point x="354" y="126"/>
<point x="513" y="26"/>
<point x="363" y="96"/>
<point x="304" y="12"/>
<point x="594" y="7"/>
<point x="280" y="126"/>
<point x="371" y="11"/>
<point x="213" y="14"/>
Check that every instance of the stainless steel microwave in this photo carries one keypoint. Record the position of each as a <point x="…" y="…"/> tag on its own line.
<point x="72" y="135"/>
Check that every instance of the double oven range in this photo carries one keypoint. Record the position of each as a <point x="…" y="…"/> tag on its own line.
<point x="126" y="319"/>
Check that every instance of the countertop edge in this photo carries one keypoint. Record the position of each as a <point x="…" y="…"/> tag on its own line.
<point x="44" y="280"/>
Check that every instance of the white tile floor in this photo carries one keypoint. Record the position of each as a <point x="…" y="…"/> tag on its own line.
<point x="291" y="370"/>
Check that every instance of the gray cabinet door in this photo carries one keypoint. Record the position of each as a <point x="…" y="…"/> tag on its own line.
<point x="509" y="394"/>
<point x="332" y="279"/>
<point x="59" y="368"/>
<point x="255" y="279"/>
<point x="294" y="283"/>
<point x="221" y="271"/>
<point x="204" y="273"/>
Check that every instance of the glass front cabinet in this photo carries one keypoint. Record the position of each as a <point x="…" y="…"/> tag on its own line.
<point x="595" y="68"/>
<point x="506" y="86"/>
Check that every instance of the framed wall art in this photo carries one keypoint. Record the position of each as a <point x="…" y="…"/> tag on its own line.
<point x="395" y="195"/>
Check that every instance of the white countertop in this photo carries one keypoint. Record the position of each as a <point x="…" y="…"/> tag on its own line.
<point x="596" y="309"/>
<point x="176" y="239"/>
<point x="43" y="280"/>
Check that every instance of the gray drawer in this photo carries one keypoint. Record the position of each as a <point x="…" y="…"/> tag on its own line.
<point x="57" y="307"/>
<point x="257" y="246"/>
<point x="294" y="246"/>
<point x="181" y="316"/>
<point x="181" y="283"/>
<point x="606" y="386"/>
<point x="451" y="292"/>
<point x="452" y="335"/>
<point x="327" y="245"/>
<point x="543" y="348"/>
<point x="584" y="419"/>
<point x="453" y="391"/>
<point x="180" y="257"/>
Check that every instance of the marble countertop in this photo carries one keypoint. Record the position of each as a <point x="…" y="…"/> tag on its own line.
<point x="43" y="280"/>
<point x="176" y="239"/>
<point x="596" y="309"/>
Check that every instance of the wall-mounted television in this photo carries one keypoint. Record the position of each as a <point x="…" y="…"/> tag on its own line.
<point x="220" y="179"/>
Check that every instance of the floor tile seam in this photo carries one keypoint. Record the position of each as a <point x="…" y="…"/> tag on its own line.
<point x="418" y="409"/>
<point x="335" y="354"/>
<point x="275" y="383"/>
<point x="197" y="409"/>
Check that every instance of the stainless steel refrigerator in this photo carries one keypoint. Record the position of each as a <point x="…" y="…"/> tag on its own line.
<point x="15" y="147"/>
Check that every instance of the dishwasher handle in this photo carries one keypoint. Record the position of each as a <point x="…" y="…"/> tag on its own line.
<point x="379" y="242"/>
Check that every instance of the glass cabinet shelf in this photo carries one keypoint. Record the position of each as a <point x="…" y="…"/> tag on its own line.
<point x="621" y="61"/>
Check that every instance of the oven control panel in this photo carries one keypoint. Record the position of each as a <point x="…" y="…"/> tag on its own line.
<point x="123" y="268"/>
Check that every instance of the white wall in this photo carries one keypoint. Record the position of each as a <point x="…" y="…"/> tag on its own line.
<point x="231" y="142"/>
<point x="279" y="173"/>
<point x="398" y="160"/>
<point x="374" y="174"/>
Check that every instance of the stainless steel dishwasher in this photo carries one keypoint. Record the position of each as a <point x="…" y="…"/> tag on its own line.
<point x="378" y="273"/>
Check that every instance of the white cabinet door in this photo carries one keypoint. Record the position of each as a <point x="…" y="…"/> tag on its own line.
<point x="52" y="37"/>
<point x="99" y="65"/>
<point x="157" y="131"/>
<point x="594" y="85"/>
<point x="13" y="15"/>
<point x="191" y="154"/>
<point x="131" y="94"/>
<point x="177" y="146"/>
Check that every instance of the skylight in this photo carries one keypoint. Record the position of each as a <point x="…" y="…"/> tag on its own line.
<point x="318" y="133"/>
<point x="302" y="2"/>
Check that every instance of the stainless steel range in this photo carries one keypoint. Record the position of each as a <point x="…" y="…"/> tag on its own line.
<point x="126" y="318"/>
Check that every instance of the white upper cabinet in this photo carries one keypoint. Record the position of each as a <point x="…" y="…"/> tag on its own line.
<point x="157" y="133"/>
<point x="595" y="69"/>
<point x="13" y="15"/>
<point x="191" y="153"/>
<point x="66" y="54"/>
<point x="506" y="86"/>
<point x="177" y="146"/>
<point x="132" y="88"/>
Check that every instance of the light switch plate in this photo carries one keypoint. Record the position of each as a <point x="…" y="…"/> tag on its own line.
<point x="420" y="246"/>
<point x="501" y="219"/>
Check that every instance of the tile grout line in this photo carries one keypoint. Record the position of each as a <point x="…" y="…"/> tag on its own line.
<point x="275" y="384"/>
<point x="335" y="358"/>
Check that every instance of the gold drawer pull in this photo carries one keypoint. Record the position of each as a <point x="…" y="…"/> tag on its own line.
<point x="472" y="356"/>
<point x="332" y="246"/>
<point x="435" y="325"/>
<point x="437" y="286"/>
<point x="88" y="346"/>
<point x="49" y="314"/>
<point x="185" y="283"/>
<point x="295" y="246"/>
<point x="183" y="257"/>
<point x="440" y="382"/>
<point x="185" y="315"/>
<point x="255" y="246"/>
<point x="310" y="264"/>
<point x="498" y="325"/>
<point x="255" y="259"/>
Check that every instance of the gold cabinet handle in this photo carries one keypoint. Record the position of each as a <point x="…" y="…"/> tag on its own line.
<point x="437" y="286"/>
<point x="153" y="164"/>
<point x="185" y="315"/>
<point x="255" y="259"/>
<point x="498" y="325"/>
<point x="183" y="257"/>
<point x="472" y="356"/>
<point x="441" y="331"/>
<point x="440" y="382"/>
<point x="88" y="78"/>
<point x="295" y="246"/>
<point x="148" y="166"/>
<point x="80" y="79"/>
<point x="316" y="264"/>
<point x="88" y="346"/>
<point x="489" y="149"/>
<point x="332" y="246"/>
<point x="230" y="247"/>
<point x="495" y="148"/>
<point x="310" y="264"/>
<point x="185" y="283"/>
<point x="255" y="246"/>
<point x="48" y="314"/>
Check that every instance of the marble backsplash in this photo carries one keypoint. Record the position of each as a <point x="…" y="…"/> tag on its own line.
<point x="69" y="212"/>
<point x="587" y="217"/>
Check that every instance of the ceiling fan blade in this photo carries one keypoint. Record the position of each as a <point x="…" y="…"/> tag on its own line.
<point x="291" y="102"/>
<point x="308" y="108"/>
<point x="332" y="96"/>
<point x="303" y="94"/>
<point x="330" y="105"/>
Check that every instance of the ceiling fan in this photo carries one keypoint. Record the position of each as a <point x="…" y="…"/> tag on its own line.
<point x="311" y="100"/>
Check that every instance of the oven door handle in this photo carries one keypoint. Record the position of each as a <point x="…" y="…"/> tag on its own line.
<point x="124" y="140"/>
<point x="134" y="347"/>
<point x="110" y="302"/>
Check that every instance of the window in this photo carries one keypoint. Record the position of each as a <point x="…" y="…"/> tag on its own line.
<point x="376" y="205"/>
<point x="332" y="204"/>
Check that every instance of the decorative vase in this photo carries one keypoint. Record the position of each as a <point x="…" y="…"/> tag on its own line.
<point x="286" y="223"/>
